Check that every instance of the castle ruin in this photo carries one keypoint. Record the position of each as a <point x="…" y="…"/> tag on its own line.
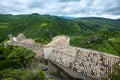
<point x="86" y="64"/>
<point x="21" y="40"/>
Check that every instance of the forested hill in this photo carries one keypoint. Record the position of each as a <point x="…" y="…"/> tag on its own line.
<point x="35" y="25"/>
<point x="95" y="33"/>
<point x="101" y="23"/>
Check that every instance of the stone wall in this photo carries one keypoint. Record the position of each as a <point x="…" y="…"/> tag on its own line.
<point x="59" y="41"/>
<point x="89" y="62"/>
<point x="26" y="43"/>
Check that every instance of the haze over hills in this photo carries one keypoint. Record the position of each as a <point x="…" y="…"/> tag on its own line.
<point x="94" y="33"/>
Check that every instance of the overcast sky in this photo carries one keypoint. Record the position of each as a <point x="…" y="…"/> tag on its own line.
<point x="73" y="8"/>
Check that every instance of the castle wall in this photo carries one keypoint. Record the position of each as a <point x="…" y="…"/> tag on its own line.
<point x="89" y="62"/>
<point x="47" y="52"/>
<point x="26" y="43"/>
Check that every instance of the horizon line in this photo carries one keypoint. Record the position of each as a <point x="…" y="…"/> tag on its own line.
<point x="59" y="15"/>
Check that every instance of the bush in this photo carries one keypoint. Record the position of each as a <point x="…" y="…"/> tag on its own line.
<point x="15" y="57"/>
<point x="9" y="79"/>
<point x="16" y="74"/>
<point x="17" y="63"/>
<point x="36" y="75"/>
<point x="115" y="75"/>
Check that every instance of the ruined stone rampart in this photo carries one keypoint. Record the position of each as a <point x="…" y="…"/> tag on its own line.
<point x="21" y="40"/>
<point x="91" y="63"/>
<point x="88" y="62"/>
<point x="59" y="41"/>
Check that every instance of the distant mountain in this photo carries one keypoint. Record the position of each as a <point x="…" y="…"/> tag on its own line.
<point x="102" y="23"/>
<point x="118" y="19"/>
<point x="94" y="33"/>
<point x="67" y="17"/>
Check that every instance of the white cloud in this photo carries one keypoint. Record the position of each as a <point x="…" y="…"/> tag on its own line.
<point x="75" y="8"/>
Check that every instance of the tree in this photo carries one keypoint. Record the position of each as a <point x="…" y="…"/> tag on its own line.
<point x="15" y="57"/>
<point x="21" y="57"/>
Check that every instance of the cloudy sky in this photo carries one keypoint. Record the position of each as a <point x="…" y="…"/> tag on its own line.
<point x="73" y="8"/>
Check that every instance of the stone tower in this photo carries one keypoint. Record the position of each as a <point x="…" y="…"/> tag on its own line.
<point x="21" y="37"/>
<point x="10" y="37"/>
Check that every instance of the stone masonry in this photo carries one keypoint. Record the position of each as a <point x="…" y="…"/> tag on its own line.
<point x="21" y="40"/>
<point x="92" y="63"/>
<point x="88" y="62"/>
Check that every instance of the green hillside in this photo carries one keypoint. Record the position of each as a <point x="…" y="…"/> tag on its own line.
<point x="104" y="30"/>
<point x="94" y="33"/>
<point x="101" y="23"/>
<point x="37" y="26"/>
